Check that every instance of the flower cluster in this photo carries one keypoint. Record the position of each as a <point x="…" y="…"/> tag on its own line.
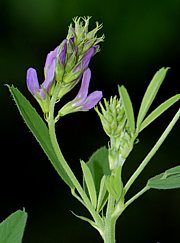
<point x="66" y="64"/>
<point x="115" y="124"/>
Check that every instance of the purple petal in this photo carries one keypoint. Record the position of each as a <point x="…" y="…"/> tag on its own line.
<point x="86" y="59"/>
<point x="62" y="55"/>
<point x="70" y="44"/>
<point x="50" y="57"/>
<point x="50" y="69"/>
<point x="83" y="92"/>
<point x="49" y="76"/>
<point x="32" y="81"/>
<point x="92" y="100"/>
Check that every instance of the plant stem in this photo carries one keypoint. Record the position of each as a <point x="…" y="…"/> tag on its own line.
<point x="136" y="196"/>
<point x="110" y="222"/>
<point x="121" y="206"/>
<point x="77" y="185"/>
<point x="152" y="152"/>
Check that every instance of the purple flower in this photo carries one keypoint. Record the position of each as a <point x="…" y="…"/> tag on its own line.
<point x="33" y="84"/>
<point x="83" y="101"/>
<point x="65" y="66"/>
<point x="83" y="65"/>
<point x="49" y="69"/>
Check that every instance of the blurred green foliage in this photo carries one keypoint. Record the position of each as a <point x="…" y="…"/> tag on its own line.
<point x="141" y="37"/>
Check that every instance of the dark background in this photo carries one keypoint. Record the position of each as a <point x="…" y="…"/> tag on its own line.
<point x="141" y="37"/>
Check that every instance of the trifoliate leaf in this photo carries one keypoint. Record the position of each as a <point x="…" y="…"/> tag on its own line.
<point x="170" y="179"/>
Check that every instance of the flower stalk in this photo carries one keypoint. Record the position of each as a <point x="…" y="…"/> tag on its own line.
<point x="55" y="144"/>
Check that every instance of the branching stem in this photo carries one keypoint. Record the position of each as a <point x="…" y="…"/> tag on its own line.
<point x="152" y="152"/>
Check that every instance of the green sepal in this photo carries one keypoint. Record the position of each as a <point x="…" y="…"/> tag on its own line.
<point x="12" y="228"/>
<point x="72" y="76"/>
<point x="170" y="179"/>
<point x="71" y="62"/>
<point x="39" y="129"/>
<point x="59" y="71"/>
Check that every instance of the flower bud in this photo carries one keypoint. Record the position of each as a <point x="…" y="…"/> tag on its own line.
<point x="60" y="60"/>
<point x="116" y="126"/>
<point x="38" y="92"/>
<point x="112" y="116"/>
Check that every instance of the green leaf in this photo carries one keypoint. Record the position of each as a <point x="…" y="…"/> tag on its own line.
<point x="158" y="111"/>
<point x="99" y="166"/>
<point x="89" y="183"/>
<point x="102" y="197"/>
<point x="170" y="179"/>
<point x="12" y="228"/>
<point x="127" y="106"/>
<point x="150" y="94"/>
<point x="39" y="130"/>
<point x="114" y="184"/>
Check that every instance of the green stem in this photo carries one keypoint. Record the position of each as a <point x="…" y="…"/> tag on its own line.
<point x="136" y="196"/>
<point x="77" y="185"/>
<point x="110" y="222"/>
<point x="152" y="152"/>
<point x="120" y="207"/>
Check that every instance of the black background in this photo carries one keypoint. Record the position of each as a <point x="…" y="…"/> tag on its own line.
<point x="141" y="37"/>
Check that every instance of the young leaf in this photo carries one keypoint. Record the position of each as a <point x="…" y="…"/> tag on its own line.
<point x="150" y="94"/>
<point x="158" y="111"/>
<point x="114" y="184"/>
<point x="170" y="179"/>
<point x="102" y="197"/>
<point x="127" y="106"/>
<point x="99" y="166"/>
<point x="39" y="129"/>
<point x="12" y="228"/>
<point x="89" y="183"/>
<point x="110" y="187"/>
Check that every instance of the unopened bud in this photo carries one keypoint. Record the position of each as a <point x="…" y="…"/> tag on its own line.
<point x="115" y="124"/>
